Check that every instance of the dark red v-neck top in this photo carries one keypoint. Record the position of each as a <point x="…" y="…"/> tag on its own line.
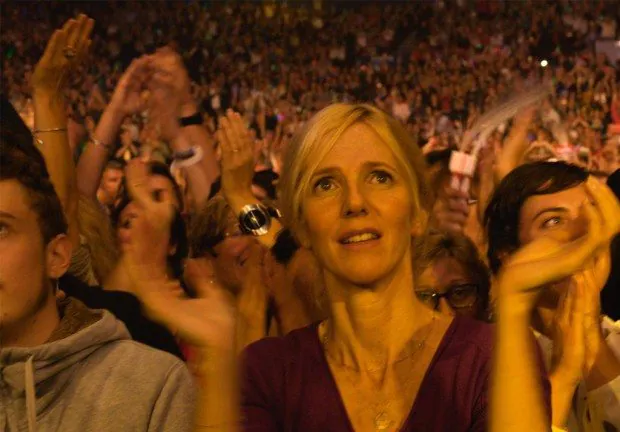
<point x="288" y="386"/>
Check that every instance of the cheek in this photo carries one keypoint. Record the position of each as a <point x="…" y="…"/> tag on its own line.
<point x="123" y="235"/>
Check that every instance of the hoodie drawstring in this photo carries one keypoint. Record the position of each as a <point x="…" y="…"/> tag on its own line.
<point x="30" y="395"/>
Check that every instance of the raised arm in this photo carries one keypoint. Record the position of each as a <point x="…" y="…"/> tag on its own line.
<point x="126" y="100"/>
<point x="169" y="63"/>
<point x="65" y="49"/>
<point x="238" y="170"/>
<point x="192" y="153"/>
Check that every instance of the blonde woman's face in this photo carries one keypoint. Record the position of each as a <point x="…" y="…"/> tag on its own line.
<point x="357" y="212"/>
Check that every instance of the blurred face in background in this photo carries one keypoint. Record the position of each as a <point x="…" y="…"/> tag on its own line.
<point x="110" y="184"/>
<point x="446" y="286"/>
<point x="162" y="189"/>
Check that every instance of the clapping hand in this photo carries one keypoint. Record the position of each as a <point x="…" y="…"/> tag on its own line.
<point x="128" y="98"/>
<point x="207" y="321"/>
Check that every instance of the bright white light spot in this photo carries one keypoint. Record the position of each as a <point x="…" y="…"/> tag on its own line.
<point x="544" y="63"/>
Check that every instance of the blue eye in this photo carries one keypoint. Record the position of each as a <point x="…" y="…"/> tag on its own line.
<point x="381" y="177"/>
<point x="324" y="184"/>
<point x="552" y="222"/>
<point x="4" y="230"/>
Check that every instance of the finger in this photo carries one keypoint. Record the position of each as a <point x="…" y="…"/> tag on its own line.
<point x="71" y="28"/>
<point x="86" y="28"/>
<point x="245" y="141"/>
<point x="458" y="205"/>
<point x="137" y="176"/>
<point x="607" y="205"/>
<point x="228" y="147"/>
<point x="58" y="54"/>
<point x="456" y="194"/>
<point x="564" y="305"/>
<point x="230" y="129"/>
<point x="51" y="48"/>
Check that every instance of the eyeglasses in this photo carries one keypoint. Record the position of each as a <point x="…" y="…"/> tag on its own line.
<point x="458" y="296"/>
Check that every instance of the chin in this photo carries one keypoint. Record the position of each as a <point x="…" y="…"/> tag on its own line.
<point x="364" y="275"/>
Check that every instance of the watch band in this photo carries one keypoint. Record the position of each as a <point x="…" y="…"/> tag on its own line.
<point x="194" y="119"/>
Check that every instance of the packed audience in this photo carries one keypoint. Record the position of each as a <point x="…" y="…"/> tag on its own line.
<point x="436" y="67"/>
<point x="309" y="217"/>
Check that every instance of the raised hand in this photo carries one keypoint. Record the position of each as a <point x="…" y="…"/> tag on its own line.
<point x="128" y="98"/>
<point x="207" y="321"/>
<point x="237" y="164"/>
<point x="150" y="229"/>
<point x="166" y="98"/>
<point x="569" y="349"/>
<point x="168" y="68"/>
<point x="65" y="50"/>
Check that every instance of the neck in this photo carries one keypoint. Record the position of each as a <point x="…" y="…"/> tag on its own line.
<point x="375" y="325"/>
<point x="35" y="329"/>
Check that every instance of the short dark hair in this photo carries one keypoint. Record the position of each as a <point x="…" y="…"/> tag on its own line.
<point x="22" y="162"/>
<point x="502" y="215"/>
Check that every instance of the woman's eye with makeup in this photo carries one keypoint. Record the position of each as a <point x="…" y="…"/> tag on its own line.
<point x="381" y="177"/>
<point x="324" y="184"/>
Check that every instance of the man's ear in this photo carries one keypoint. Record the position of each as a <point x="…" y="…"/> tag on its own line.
<point x="58" y="256"/>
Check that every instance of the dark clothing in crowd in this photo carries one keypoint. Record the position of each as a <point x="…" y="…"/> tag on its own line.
<point x="126" y="308"/>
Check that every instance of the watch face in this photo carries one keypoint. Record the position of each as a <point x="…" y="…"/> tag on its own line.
<point x="255" y="219"/>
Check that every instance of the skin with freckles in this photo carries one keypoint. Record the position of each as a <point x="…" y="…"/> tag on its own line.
<point x="358" y="188"/>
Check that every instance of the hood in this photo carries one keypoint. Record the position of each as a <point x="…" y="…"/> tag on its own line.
<point x="44" y="370"/>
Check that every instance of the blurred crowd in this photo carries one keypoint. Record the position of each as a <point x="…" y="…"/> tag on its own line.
<point x="436" y="66"/>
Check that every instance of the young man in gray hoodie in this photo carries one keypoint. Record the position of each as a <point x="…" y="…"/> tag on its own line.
<point x="64" y="367"/>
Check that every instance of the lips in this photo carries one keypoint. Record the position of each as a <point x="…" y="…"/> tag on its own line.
<point x="359" y="236"/>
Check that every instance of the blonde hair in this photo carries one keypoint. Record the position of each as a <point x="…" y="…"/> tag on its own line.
<point x="98" y="234"/>
<point x="312" y="143"/>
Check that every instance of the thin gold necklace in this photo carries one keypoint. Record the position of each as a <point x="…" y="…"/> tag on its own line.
<point x="413" y="346"/>
<point x="382" y="420"/>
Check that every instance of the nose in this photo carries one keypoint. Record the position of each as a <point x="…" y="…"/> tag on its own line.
<point x="445" y="308"/>
<point x="354" y="202"/>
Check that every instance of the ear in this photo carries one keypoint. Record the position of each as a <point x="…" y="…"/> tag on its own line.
<point x="419" y="223"/>
<point x="58" y="256"/>
<point x="302" y="236"/>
